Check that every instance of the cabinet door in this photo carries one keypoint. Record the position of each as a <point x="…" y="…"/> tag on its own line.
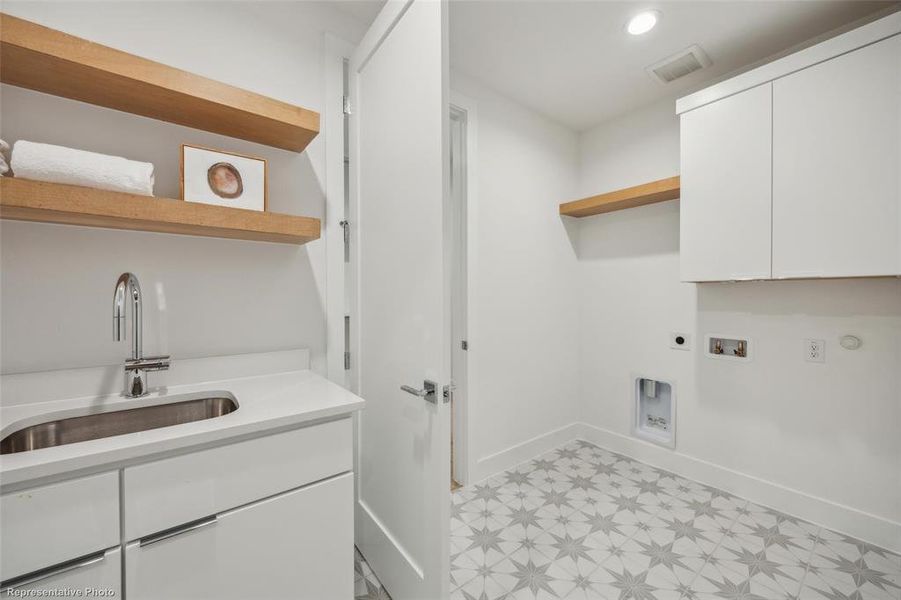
<point x="296" y="545"/>
<point x="95" y="576"/>
<point x="726" y="202"/>
<point x="837" y="166"/>
<point x="56" y="523"/>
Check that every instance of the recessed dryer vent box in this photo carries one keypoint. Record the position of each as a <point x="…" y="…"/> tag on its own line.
<point x="655" y="411"/>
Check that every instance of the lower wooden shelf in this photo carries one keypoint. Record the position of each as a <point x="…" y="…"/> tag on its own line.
<point x="27" y="200"/>
<point x="647" y="193"/>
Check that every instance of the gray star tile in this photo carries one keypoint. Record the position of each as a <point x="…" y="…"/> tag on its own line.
<point x="537" y="576"/>
<point x="740" y="590"/>
<point x="716" y="581"/>
<point x="606" y="523"/>
<point x="568" y="453"/>
<point x="523" y="517"/>
<point x="835" y="544"/>
<point x="568" y="547"/>
<point x="485" y="491"/>
<point x="632" y="586"/>
<point x="763" y="573"/>
<point x="827" y="592"/>
<point x="491" y="583"/>
<point x="862" y="575"/>
<point x="544" y="464"/>
<point x="484" y="539"/>
<point x="558" y="499"/>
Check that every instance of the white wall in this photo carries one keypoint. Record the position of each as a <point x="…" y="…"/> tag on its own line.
<point x="203" y="296"/>
<point x="827" y="431"/>
<point x="523" y="320"/>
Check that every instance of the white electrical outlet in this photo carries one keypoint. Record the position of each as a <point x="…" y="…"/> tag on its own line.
<point x="815" y="350"/>
<point x="679" y="341"/>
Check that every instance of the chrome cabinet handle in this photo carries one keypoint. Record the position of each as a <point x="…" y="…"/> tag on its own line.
<point x="427" y="392"/>
<point x="78" y="563"/>
<point x="170" y="533"/>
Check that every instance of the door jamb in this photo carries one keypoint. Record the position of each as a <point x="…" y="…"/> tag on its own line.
<point x="464" y="436"/>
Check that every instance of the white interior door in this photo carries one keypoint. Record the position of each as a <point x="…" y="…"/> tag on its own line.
<point x="398" y="182"/>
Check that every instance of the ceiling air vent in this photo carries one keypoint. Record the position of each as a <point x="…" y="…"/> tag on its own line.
<point x="679" y="64"/>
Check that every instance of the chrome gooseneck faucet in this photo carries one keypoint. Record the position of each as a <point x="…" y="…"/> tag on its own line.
<point x="137" y="366"/>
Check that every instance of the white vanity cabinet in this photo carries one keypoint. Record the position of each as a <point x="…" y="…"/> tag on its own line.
<point x="837" y="166"/>
<point x="793" y="169"/>
<point x="296" y="545"/>
<point x="263" y="516"/>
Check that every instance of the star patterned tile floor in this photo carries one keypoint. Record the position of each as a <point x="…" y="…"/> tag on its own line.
<point x="584" y="523"/>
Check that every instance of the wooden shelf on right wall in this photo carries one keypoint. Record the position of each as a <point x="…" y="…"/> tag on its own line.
<point x="647" y="193"/>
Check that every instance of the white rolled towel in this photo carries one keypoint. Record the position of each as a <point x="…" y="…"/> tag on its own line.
<point x="58" y="164"/>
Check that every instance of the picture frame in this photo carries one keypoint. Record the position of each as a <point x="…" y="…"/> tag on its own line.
<point x="223" y="178"/>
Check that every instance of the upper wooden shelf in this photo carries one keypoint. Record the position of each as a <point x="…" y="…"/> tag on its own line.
<point x="43" y="59"/>
<point x="27" y="200"/>
<point x="648" y="193"/>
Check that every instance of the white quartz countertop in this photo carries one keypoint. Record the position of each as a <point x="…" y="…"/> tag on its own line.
<point x="265" y="402"/>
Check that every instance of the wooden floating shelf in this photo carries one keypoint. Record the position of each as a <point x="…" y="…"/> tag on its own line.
<point x="27" y="200"/>
<point x="648" y="193"/>
<point x="50" y="61"/>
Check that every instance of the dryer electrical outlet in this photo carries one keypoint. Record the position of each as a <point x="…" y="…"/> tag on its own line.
<point x="679" y="341"/>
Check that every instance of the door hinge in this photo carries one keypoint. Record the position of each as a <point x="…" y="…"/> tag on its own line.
<point x="347" y="342"/>
<point x="346" y="227"/>
<point x="464" y="345"/>
<point x="345" y="105"/>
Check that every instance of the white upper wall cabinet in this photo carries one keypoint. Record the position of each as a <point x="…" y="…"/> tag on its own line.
<point x="726" y="190"/>
<point x="837" y="166"/>
<point x="793" y="169"/>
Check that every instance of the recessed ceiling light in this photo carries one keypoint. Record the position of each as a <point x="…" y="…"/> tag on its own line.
<point x="643" y="22"/>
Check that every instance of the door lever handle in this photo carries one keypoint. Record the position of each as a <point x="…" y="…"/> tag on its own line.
<point x="427" y="392"/>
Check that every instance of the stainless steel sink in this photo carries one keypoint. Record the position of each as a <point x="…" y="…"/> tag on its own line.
<point x="101" y="425"/>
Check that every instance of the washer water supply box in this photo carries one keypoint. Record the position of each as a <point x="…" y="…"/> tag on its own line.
<point x="655" y="410"/>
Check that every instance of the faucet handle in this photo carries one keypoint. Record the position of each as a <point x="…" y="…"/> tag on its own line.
<point x="148" y="363"/>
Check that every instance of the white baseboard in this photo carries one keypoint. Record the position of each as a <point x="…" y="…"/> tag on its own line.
<point x="855" y="523"/>
<point x="505" y="459"/>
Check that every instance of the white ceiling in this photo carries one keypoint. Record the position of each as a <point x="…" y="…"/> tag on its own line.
<point x="364" y="11"/>
<point x="574" y="63"/>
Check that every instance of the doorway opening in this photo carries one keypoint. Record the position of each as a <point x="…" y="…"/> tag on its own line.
<point x="458" y="292"/>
